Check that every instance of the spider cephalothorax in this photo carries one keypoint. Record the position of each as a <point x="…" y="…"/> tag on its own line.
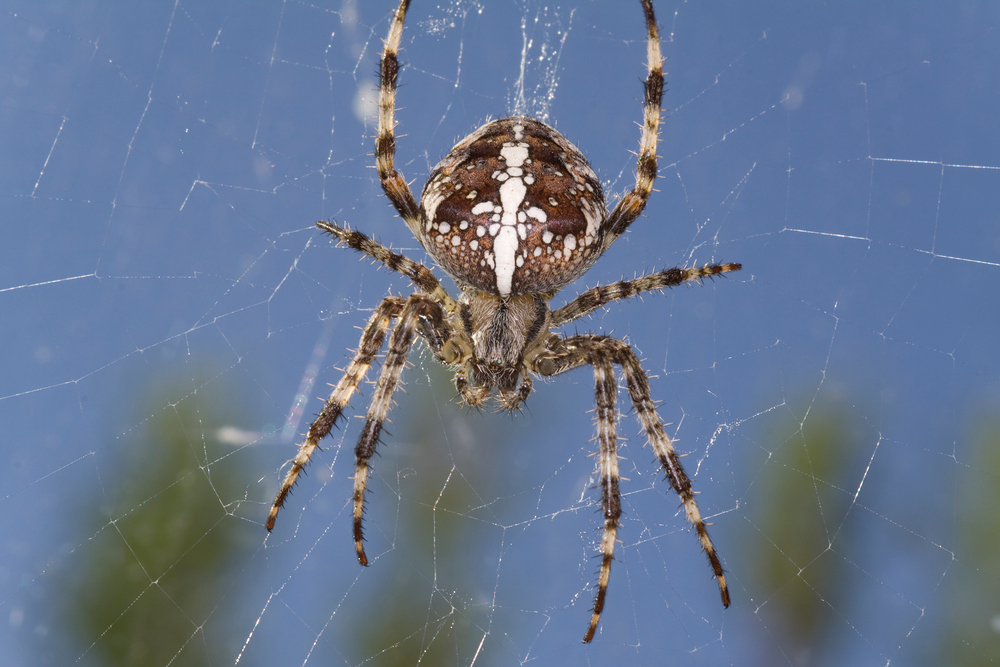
<point x="513" y="214"/>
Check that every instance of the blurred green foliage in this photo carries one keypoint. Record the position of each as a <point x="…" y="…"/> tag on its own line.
<point x="154" y="583"/>
<point x="972" y="624"/>
<point x="799" y="506"/>
<point x="157" y="579"/>
<point x="810" y="565"/>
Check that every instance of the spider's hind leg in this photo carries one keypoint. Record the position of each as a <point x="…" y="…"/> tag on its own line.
<point x="393" y="183"/>
<point x="632" y="203"/>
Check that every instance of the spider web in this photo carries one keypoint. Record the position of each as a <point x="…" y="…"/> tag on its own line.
<point x="169" y="316"/>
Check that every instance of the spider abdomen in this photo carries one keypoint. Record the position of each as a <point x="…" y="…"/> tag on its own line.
<point x="513" y="209"/>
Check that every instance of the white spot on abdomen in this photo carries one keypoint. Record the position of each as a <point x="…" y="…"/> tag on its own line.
<point x="538" y="214"/>
<point x="505" y="248"/>
<point x="512" y="194"/>
<point x="514" y="154"/>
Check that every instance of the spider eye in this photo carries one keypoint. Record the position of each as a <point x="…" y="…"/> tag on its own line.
<point x="513" y="209"/>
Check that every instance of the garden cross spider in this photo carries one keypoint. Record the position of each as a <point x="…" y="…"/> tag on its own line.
<point x="513" y="214"/>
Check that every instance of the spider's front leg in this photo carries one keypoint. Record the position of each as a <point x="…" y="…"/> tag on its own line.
<point x="638" y="390"/>
<point x="605" y="395"/>
<point x="420" y="315"/>
<point x="562" y="355"/>
<point x="368" y="349"/>
<point x="432" y="326"/>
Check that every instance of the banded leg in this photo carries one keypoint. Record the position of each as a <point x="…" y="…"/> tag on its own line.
<point x="368" y="349"/>
<point x="393" y="183"/>
<point x="567" y="354"/>
<point x="605" y="394"/>
<point x="418" y="274"/>
<point x="400" y="343"/>
<point x="633" y="202"/>
<point x="638" y="390"/>
<point x="589" y="301"/>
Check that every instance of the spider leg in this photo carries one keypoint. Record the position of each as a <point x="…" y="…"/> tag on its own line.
<point x="393" y="183"/>
<point x="418" y="274"/>
<point x="589" y="301"/>
<point x="368" y="348"/>
<point x="400" y="343"/>
<point x="605" y="395"/>
<point x="633" y="202"/>
<point x="564" y="355"/>
<point x="638" y="390"/>
<point x="601" y="352"/>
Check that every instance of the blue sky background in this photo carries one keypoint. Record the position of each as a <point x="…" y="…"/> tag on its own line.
<point x="161" y="168"/>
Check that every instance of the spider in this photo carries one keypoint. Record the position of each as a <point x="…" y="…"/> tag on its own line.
<point x="513" y="214"/>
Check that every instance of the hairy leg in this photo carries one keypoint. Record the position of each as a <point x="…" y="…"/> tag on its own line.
<point x="371" y="342"/>
<point x="597" y="297"/>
